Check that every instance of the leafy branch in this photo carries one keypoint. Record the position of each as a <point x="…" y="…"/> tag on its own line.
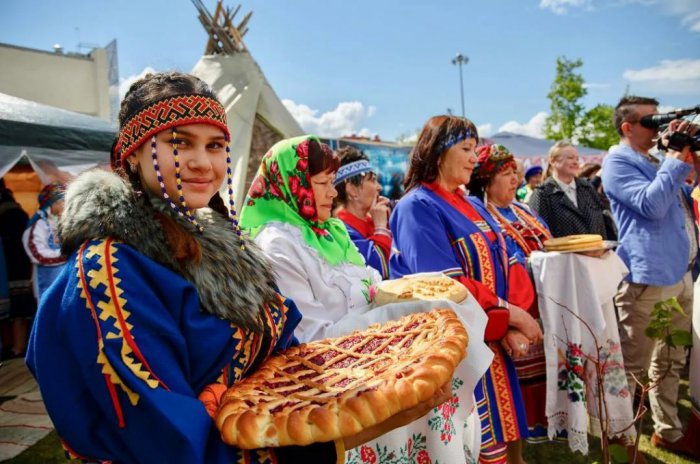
<point x="660" y="328"/>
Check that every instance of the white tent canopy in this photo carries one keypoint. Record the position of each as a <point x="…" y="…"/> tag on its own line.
<point x="246" y="95"/>
<point x="57" y="142"/>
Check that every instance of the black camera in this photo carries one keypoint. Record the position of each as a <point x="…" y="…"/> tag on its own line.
<point x="679" y="140"/>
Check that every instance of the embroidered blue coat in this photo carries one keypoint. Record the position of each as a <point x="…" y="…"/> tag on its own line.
<point x="121" y="350"/>
<point x="435" y="230"/>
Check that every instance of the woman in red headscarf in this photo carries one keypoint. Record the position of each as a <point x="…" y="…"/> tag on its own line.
<point x="494" y="184"/>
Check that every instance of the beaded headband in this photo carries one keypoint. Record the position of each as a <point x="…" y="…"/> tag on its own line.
<point x="351" y="170"/>
<point x="166" y="113"/>
<point x="454" y="138"/>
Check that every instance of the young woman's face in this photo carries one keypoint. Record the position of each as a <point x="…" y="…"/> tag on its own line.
<point x="456" y="165"/>
<point x="202" y="154"/>
<point x="503" y="186"/>
<point x="324" y="193"/>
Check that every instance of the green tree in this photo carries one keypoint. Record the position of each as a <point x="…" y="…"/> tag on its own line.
<point x="596" y="129"/>
<point x="568" y="117"/>
<point x="565" y="95"/>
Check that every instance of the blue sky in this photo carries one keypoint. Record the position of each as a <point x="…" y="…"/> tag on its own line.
<point x="384" y="66"/>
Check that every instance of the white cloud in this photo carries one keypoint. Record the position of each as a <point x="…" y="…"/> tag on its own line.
<point x="485" y="130"/>
<point x="687" y="10"/>
<point x="346" y="119"/>
<point x="125" y="82"/>
<point x="534" y="127"/>
<point x="593" y="85"/>
<point x="680" y="77"/>
<point x="692" y="21"/>
<point x="561" y="7"/>
<point x="670" y="70"/>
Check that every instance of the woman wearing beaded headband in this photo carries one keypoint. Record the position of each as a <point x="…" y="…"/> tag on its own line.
<point x="493" y="184"/>
<point x="163" y="302"/>
<point x="437" y="228"/>
<point x="362" y="209"/>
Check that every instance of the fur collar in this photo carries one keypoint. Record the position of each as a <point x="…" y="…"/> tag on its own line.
<point x="232" y="284"/>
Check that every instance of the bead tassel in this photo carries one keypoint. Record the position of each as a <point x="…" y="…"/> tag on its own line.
<point x="181" y="209"/>
<point x="231" y="204"/>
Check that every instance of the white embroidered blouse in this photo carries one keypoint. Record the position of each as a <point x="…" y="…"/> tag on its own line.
<point x="323" y="293"/>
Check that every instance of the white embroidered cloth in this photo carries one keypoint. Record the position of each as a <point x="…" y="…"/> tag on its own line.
<point x="586" y="286"/>
<point x="451" y="432"/>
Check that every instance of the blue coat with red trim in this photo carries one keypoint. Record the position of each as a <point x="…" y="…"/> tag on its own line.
<point x="121" y="349"/>
<point x="432" y="234"/>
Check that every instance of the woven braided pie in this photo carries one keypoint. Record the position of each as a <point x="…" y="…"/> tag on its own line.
<point x="334" y="388"/>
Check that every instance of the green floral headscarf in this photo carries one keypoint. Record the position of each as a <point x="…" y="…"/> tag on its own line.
<point x="281" y="192"/>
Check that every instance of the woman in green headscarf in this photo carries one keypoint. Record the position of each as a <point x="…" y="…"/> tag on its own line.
<point x="288" y="214"/>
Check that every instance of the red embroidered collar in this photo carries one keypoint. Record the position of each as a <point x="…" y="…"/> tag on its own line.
<point x="457" y="200"/>
<point x="365" y="228"/>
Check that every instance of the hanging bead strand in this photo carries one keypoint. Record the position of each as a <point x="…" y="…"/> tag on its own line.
<point x="178" y="181"/>
<point x="231" y="203"/>
<point x="154" y="157"/>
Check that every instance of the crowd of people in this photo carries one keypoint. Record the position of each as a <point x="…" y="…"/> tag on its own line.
<point x="168" y="297"/>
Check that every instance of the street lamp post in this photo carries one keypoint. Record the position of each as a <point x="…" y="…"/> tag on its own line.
<point x="461" y="60"/>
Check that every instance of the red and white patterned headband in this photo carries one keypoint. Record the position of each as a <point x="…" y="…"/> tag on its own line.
<point x="178" y="110"/>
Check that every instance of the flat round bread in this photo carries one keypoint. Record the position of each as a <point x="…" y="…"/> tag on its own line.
<point x="334" y="388"/>
<point x="409" y="288"/>
<point x="573" y="242"/>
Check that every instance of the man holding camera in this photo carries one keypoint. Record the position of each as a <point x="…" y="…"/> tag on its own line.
<point x="658" y="243"/>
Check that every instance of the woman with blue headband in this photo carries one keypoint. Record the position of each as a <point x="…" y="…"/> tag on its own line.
<point x="437" y="228"/>
<point x="362" y="209"/>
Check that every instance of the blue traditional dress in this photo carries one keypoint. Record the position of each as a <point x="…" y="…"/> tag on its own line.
<point x="122" y="345"/>
<point x="436" y="230"/>
<point x="375" y="248"/>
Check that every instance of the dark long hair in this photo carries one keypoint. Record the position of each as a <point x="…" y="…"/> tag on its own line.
<point x="436" y="133"/>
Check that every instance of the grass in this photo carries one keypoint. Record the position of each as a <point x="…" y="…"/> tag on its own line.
<point x="49" y="451"/>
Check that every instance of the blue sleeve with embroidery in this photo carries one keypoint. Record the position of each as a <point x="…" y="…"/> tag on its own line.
<point x="120" y="349"/>
<point x="373" y="255"/>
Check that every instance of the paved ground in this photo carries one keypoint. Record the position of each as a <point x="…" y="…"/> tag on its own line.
<point x="23" y="418"/>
